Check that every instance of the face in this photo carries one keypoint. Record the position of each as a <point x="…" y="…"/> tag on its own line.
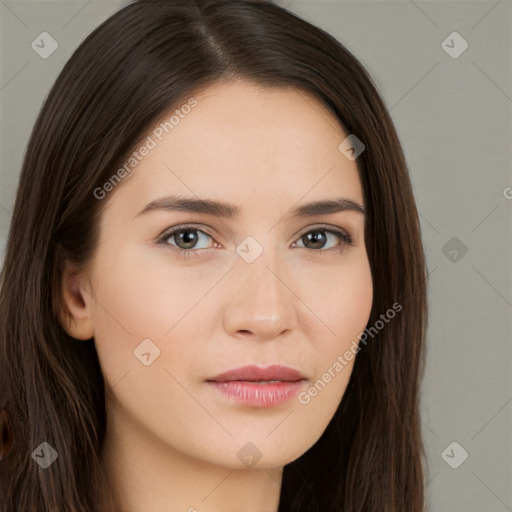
<point x="266" y="285"/>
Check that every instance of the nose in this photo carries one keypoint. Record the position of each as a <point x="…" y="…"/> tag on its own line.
<point x="262" y="305"/>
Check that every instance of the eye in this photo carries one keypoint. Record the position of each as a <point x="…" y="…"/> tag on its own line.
<point x="186" y="239"/>
<point x="317" y="238"/>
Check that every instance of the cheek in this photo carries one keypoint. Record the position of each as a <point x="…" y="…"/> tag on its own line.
<point x="139" y="299"/>
<point x="340" y="302"/>
<point x="343" y="306"/>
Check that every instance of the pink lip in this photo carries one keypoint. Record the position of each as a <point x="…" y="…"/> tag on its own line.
<point x="242" y="384"/>
<point x="256" y="373"/>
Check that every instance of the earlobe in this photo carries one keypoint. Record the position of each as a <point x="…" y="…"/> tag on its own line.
<point x="76" y="319"/>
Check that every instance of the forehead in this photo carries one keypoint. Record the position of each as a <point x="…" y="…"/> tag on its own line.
<point x="243" y="141"/>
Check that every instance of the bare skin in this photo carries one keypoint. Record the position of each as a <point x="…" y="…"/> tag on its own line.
<point x="173" y="441"/>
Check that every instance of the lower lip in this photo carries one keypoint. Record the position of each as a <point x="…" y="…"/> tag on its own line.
<point x="256" y="394"/>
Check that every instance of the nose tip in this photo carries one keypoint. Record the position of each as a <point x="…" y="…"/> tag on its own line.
<point x="262" y="306"/>
<point x="264" y="327"/>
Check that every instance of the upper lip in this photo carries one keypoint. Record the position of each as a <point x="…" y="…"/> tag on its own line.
<point x="258" y="373"/>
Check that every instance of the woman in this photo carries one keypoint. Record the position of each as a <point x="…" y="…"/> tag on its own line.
<point x="214" y="289"/>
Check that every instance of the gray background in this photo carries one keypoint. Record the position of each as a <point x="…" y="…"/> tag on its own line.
<point x="453" y="116"/>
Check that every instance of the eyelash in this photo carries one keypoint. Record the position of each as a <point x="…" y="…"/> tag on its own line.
<point x="342" y="235"/>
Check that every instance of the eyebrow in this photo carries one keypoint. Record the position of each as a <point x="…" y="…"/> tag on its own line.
<point x="227" y="210"/>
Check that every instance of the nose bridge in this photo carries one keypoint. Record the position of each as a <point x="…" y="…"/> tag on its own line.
<point x="261" y="302"/>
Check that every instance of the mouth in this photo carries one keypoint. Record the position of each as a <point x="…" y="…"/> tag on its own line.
<point x="253" y="373"/>
<point x="259" y="387"/>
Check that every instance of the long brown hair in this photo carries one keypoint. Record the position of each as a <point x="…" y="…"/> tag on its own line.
<point x="140" y="63"/>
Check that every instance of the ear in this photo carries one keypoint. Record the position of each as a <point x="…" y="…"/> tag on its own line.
<point x="76" y="319"/>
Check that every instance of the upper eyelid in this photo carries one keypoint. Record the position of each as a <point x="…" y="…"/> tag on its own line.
<point x="172" y="230"/>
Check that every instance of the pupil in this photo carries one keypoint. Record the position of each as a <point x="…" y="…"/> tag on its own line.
<point x="188" y="237"/>
<point x="315" y="236"/>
